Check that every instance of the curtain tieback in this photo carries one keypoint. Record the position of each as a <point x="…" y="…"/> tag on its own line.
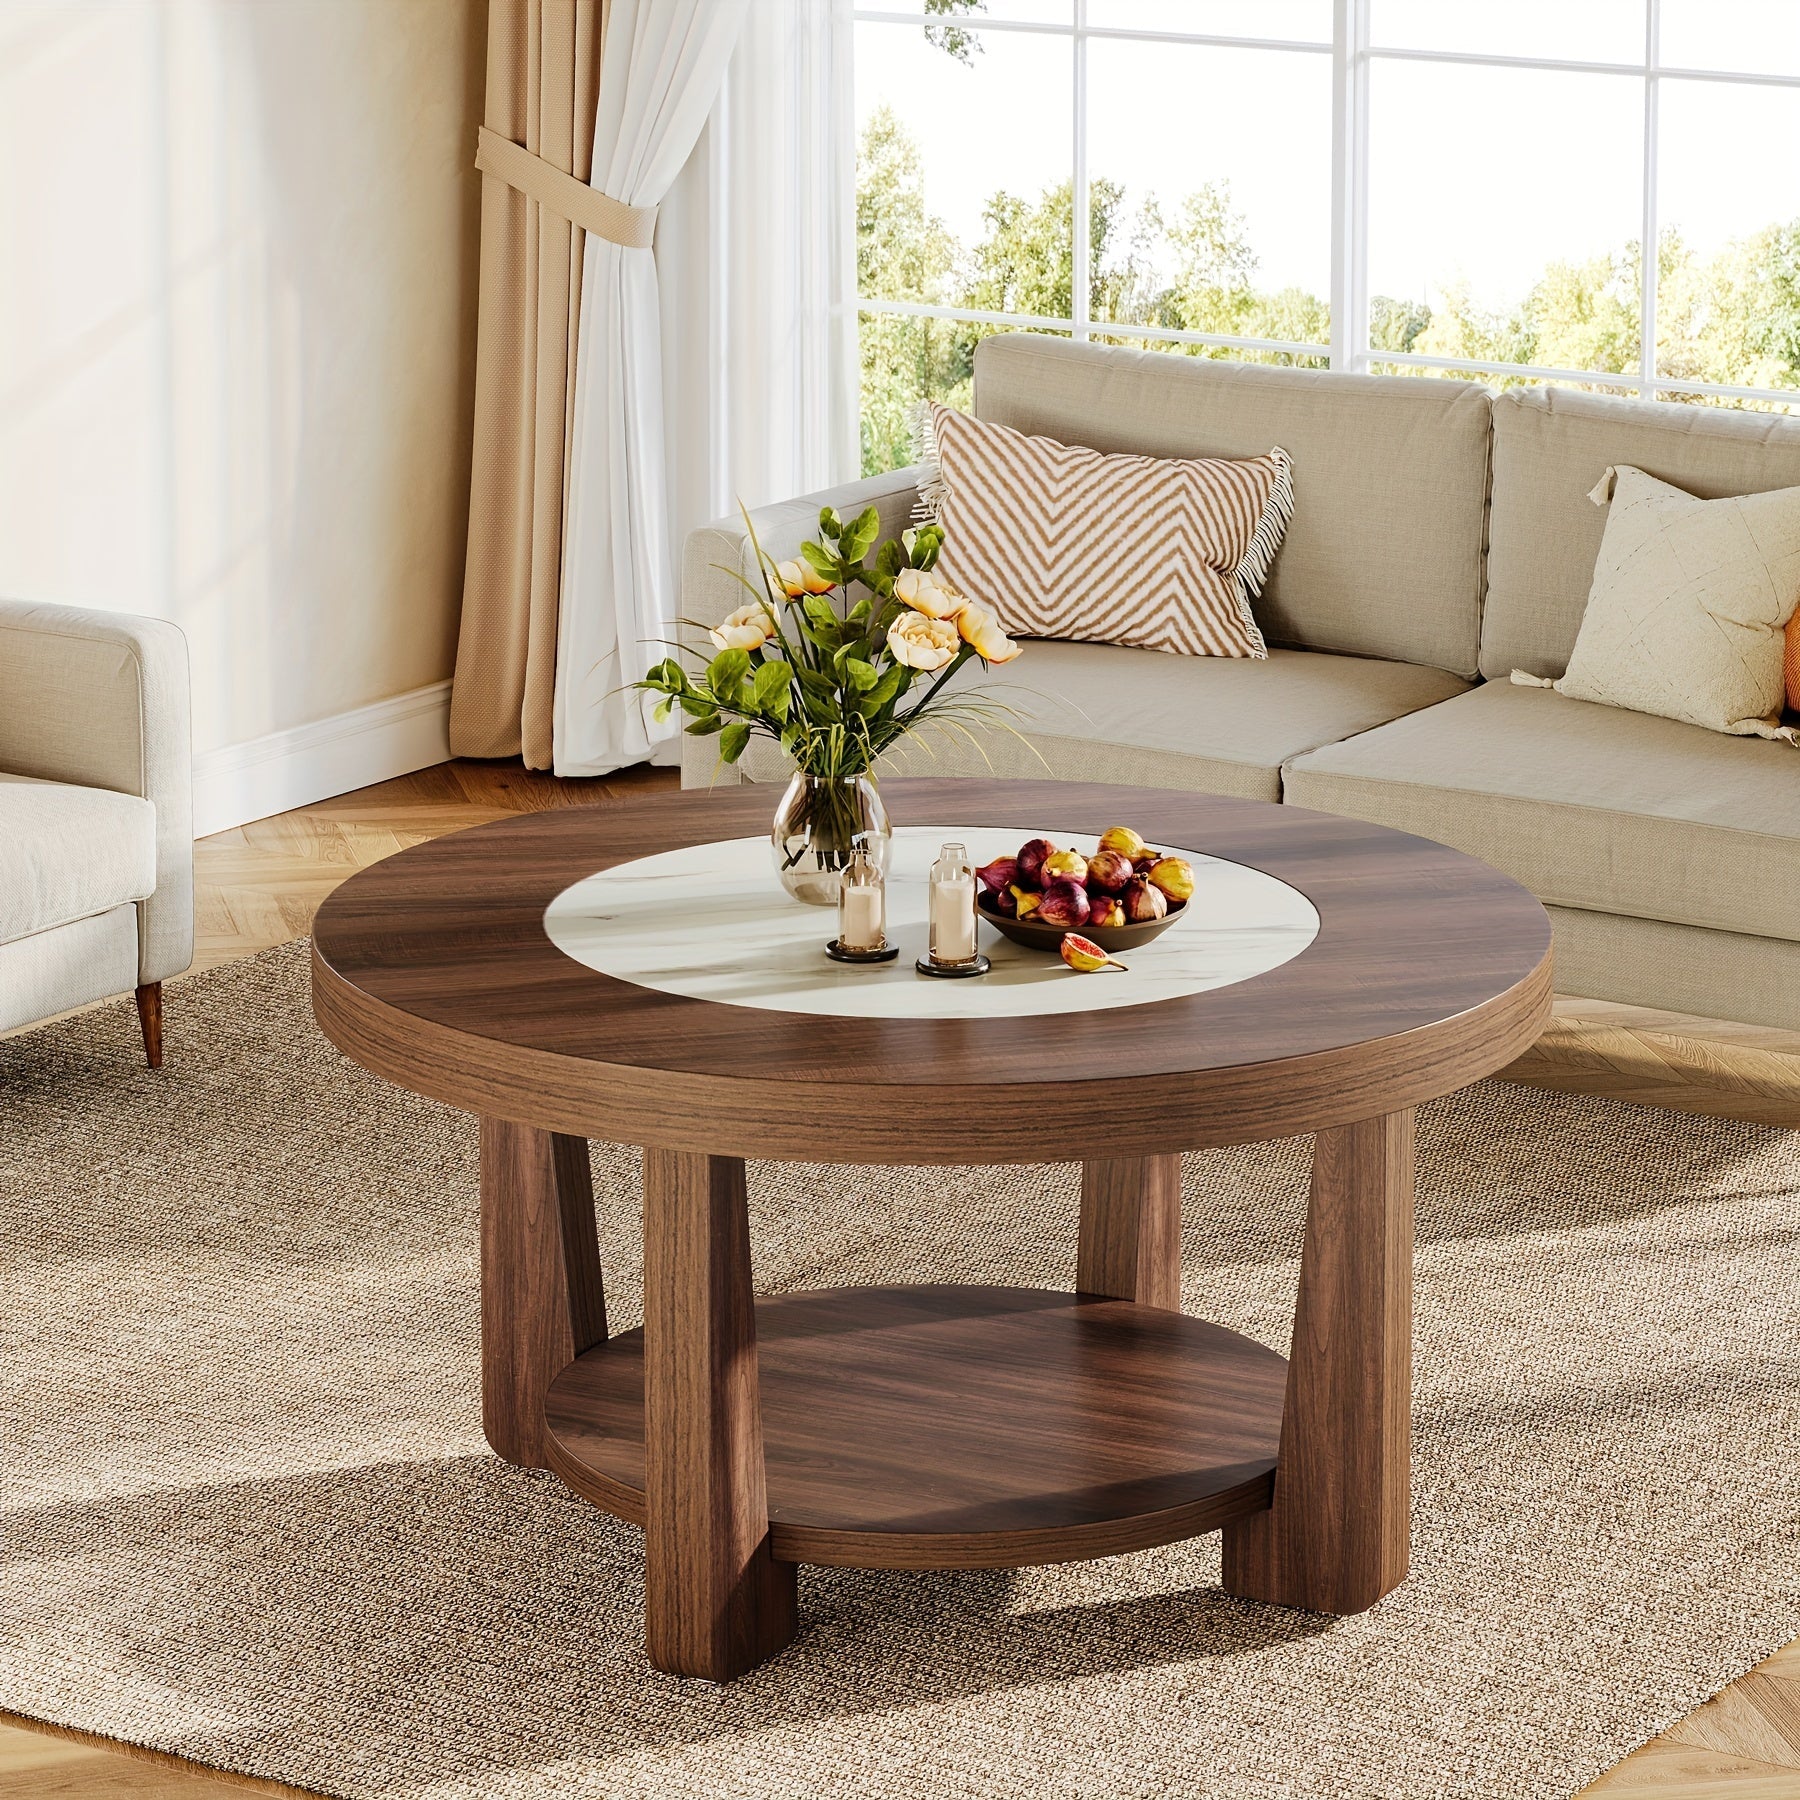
<point x="632" y="226"/>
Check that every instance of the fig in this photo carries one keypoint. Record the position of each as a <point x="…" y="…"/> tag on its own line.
<point x="1025" y="902"/>
<point x="1108" y="871"/>
<point x="1146" y="860"/>
<point x="1085" y="957"/>
<point x="1124" y="840"/>
<point x="1104" y="910"/>
<point x="999" y="874"/>
<point x="1001" y="901"/>
<point x="1142" y="902"/>
<point x="1031" y="859"/>
<point x="1174" y="875"/>
<point x="1065" y="864"/>
<point x="1064" y="903"/>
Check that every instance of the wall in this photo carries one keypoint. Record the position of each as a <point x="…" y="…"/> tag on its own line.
<point x="237" y="316"/>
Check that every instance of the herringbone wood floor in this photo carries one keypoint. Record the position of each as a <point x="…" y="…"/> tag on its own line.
<point x="260" y="885"/>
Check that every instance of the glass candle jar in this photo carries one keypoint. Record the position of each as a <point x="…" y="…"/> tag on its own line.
<point x="862" y="907"/>
<point x="953" y="908"/>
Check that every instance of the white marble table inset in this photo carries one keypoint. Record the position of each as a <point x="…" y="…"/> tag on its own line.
<point x="711" y="922"/>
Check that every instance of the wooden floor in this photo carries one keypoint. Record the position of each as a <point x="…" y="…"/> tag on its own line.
<point x="260" y="885"/>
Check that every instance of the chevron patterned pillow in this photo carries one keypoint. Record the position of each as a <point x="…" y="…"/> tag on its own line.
<point x="1156" y="552"/>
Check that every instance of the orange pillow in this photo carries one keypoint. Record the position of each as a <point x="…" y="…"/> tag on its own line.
<point x="1793" y="663"/>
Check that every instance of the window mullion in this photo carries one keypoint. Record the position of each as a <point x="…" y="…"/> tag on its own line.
<point x="1349" y="185"/>
<point x="1079" y="297"/>
<point x="1647" y="253"/>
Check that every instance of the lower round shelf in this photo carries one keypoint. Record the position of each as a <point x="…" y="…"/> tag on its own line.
<point x="951" y="1427"/>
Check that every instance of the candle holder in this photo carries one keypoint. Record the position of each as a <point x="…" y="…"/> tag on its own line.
<point x="862" y="914"/>
<point x="952" y="951"/>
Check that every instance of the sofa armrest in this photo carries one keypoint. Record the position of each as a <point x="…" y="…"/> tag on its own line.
<point x="100" y="700"/>
<point x="709" y="590"/>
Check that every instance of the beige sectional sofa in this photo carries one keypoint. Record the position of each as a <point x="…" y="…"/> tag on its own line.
<point x="1442" y="537"/>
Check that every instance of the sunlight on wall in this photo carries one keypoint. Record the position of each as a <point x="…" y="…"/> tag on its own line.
<point x="236" y="334"/>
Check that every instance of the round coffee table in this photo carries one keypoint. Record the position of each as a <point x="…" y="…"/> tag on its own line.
<point x="550" y="973"/>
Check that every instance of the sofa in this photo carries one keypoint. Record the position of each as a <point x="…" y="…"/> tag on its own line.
<point x="1442" y="537"/>
<point x="96" y="813"/>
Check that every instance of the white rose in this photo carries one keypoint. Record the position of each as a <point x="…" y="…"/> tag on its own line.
<point x="922" y="642"/>
<point x="981" y="629"/>
<point x="799" y="578"/>
<point x="923" y="592"/>
<point x="749" y="628"/>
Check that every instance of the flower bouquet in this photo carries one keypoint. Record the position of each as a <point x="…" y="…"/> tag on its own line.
<point x="838" y="657"/>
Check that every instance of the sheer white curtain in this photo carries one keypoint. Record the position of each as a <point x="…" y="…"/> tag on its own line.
<point x="753" y="389"/>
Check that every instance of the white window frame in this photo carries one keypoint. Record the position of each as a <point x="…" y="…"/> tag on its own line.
<point x="1352" y="57"/>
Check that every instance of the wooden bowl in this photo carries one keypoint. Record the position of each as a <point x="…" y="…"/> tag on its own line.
<point x="1049" y="937"/>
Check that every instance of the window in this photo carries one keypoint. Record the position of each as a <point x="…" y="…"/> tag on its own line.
<point x="1391" y="186"/>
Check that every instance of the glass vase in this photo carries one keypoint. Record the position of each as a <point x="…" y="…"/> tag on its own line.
<point x="822" y="821"/>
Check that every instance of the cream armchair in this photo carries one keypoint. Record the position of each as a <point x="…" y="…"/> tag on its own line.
<point x="96" y="812"/>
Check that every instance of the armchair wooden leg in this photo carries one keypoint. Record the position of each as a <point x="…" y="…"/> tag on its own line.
<point x="149" y="1005"/>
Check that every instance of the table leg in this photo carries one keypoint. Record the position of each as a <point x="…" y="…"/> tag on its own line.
<point x="1336" y="1538"/>
<point x="542" y="1302"/>
<point x="1130" y="1244"/>
<point x="716" y="1602"/>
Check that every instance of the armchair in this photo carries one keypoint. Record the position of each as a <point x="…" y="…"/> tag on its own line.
<point x="96" y="812"/>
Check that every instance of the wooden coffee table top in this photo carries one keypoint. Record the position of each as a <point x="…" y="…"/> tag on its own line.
<point x="1429" y="971"/>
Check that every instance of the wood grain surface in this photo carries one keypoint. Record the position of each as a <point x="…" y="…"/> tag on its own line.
<point x="1129" y="1246"/>
<point x="964" y="1427"/>
<point x="715" y="1600"/>
<point x="1429" y="971"/>
<point x="1336" y="1536"/>
<point x="542" y="1300"/>
<point x="150" y="1021"/>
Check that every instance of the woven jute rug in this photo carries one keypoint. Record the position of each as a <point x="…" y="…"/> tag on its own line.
<point x="250" y="1517"/>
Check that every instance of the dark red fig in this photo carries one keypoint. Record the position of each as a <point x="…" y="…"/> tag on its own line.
<point x="999" y="874"/>
<point x="1001" y="901"/>
<point x="1107" y="872"/>
<point x="1031" y="859"/>
<point x="1065" y="905"/>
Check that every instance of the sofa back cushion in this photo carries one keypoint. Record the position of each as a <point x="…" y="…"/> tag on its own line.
<point x="1551" y="445"/>
<point x="1384" y="554"/>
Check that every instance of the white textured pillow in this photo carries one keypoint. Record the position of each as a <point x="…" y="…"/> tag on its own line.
<point x="1690" y="602"/>
<point x="1164" y="553"/>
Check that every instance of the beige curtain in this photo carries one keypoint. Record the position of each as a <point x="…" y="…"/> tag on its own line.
<point x="543" y="85"/>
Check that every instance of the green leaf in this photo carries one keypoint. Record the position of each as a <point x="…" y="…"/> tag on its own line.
<point x="830" y="525"/>
<point x="862" y="675"/>
<point x="771" y="684"/>
<point x="821" y="559"/>
<point x="859" y="534"/>
<point x="705" y="727"/>
<point x="885" y="692"/>
<point x="734" y="740"/>
<point x="664" y="708"/>
<point x="726" y="672"/>
<point x="891" y="559"/>
<point x="698" y="706"/>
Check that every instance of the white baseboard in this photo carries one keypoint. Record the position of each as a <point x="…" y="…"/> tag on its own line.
<point x="293" y="768"/>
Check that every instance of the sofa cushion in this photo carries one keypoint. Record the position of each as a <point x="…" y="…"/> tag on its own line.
<point x="1384" y="555"/>
<point x="67" y="853"/>
<point x="1690" y="606"/>
<point x="1551" y="445"/>
<point x="1160" y="552"/>
<point x="1210" y="725"/>
<point x="1586" y="805"/>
